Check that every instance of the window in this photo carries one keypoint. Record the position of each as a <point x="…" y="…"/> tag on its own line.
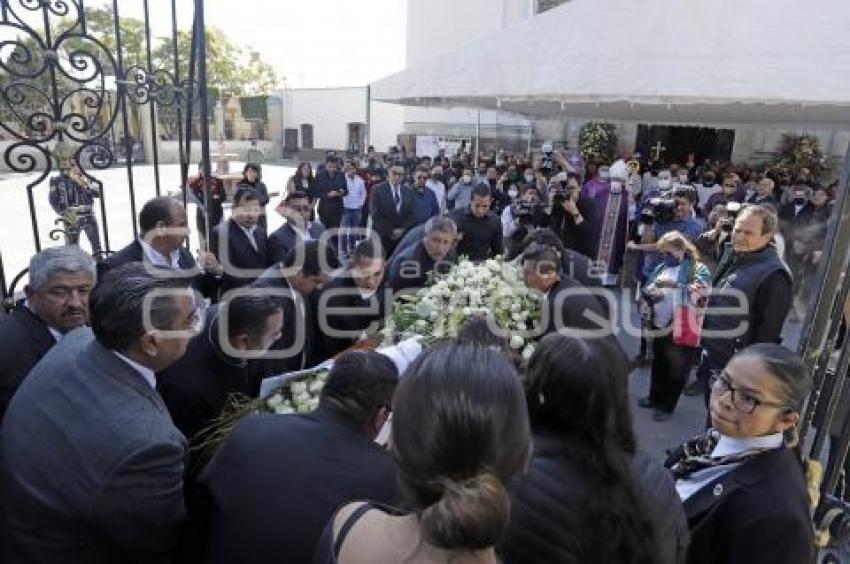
<point x="544" y="5"/>
<point x="306" y="136"/>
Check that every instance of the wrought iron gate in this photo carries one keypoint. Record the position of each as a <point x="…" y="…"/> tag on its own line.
<point x="65" y="89"/>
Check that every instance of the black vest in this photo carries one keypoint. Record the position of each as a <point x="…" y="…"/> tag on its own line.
<point x="736" y="273"/>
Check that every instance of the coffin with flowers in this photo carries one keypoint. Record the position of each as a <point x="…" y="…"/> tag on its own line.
<point x="493" y="288"/>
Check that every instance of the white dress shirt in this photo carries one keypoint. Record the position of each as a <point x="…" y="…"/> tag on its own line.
<point x="158" y="259"/>
<point x="686" y="487"/>
<point x="146" y="373"/>
<point x="249" y="232"/>
<point x="356" y="196"/>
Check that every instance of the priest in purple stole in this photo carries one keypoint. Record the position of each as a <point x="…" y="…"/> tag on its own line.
<point x="608" y="191"/>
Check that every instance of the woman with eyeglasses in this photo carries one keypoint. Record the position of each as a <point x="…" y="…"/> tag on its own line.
<point x="742" y="485"/>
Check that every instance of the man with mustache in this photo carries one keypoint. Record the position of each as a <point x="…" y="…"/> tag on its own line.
<point x="57" y="301"/>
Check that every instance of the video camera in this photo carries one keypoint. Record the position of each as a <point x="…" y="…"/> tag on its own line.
<point x="732" y="211"/>
<point x="659" y="210"/>
<point x="531" y="214"/>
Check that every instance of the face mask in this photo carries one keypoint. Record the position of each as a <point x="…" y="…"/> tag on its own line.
<point x="512" y="175"/>
<point x="529" y="178"/>
<point x="708" y="183"/>
<point x="467" y="179"/>
<point x="664" y="183"/>
<point x="512" y="193"/>
<point x="683" y="178"/>
<point x="799" y="201"/>
<point x="437" y="177"/>
<point x="604" y="175"/>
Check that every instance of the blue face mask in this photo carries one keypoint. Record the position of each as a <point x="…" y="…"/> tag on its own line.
<point x="670" y="260"/>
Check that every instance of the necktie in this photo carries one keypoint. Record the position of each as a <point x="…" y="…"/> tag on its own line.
<point x="397" y="199"/>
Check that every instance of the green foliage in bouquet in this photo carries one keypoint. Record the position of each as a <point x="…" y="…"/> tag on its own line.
<point x="598" y="141"/>
<point x="798" y="152"/>
<point x="298" y="395"/>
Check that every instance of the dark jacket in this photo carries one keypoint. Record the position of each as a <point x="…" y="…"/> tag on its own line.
<point x="205" y="283"/>
<point x="284" y="238"/>
<point x="330" y="208"/>
<point x="766" y="282"/>
<point x="425" y="205"/>
<point x="550" y="521"/>
<point x="385" y="216"/>
<point x="570" y="310"/>
<point x="272" y="487"/>
<point x="196" y="387"/>
<point x="757" y="513"/>
<point x="239" y="254"/>
<point x="104" y="481"/>
<point x="340" y="307"/>
<point x="24" y="340"/>
<point x="297" y="347"/>
<point x="482" y="236"/>
<point x="579" y="237"/>
<point x="410" y="268"/>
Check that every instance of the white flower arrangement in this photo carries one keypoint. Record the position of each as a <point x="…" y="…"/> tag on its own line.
<point x="494" y="288"/>
<point x="299" y="395"/>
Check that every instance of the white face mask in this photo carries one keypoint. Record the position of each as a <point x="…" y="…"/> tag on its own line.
<point x="529" y="178"/>
<point x="604" y="174"/>
<point x="467" y="179"/>
<point x="683" y="178"/>
<point x="663" y="183"/>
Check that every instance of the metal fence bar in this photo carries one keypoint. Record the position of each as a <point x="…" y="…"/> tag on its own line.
<point x="154" y="138"/>
<point x="121" y="92"/>
<point x="205" y="126"/>
<point x="179" y="102"/>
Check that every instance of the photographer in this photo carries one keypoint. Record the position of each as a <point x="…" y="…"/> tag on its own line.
<point x="573" y="216"/>
<point x="710" y="243"/>
<point x="522" y="218"/>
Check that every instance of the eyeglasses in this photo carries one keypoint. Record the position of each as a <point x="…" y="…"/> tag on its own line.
<point x="743" y="401"/>
<point x="301" y="209"/>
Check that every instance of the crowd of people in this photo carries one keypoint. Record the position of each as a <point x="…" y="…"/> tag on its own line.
<point x="110" y="371"/>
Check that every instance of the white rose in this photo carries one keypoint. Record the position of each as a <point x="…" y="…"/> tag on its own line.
<point x="274" y="401"/>
<point x="421" y="325"/>
<point x="516" y="307"/>
<point x="316" y="386"/>
<point x="528" y="351"/>
<point x="517" y="342"/>
<point x="467" y="311"/>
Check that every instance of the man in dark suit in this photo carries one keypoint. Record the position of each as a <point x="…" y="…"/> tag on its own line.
<point x="351" y="303"/>
<point x="104" y="481"/>
<point x="296" y="228"/>
<point x="391" y="207"/>
<point x="410" y="268"/>
<point x="765" y="194"/>
<point x="331" y="187"/>
<point x="240" y="244"/>
<point x="221" y="361"/>
<point x="294" y="281"/>
<point x="164" y="227"/>
<point x="569" y="307"/>
<point x="60" y="279"/>
<point x="275" y="483"/>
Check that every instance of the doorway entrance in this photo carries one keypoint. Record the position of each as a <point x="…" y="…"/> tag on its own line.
<point x="673" y="144"/>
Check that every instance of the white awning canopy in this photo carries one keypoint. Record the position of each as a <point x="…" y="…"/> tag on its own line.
<point x="664" y="61"/>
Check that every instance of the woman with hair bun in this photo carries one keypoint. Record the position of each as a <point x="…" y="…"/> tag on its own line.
<point x="460" y="433"/>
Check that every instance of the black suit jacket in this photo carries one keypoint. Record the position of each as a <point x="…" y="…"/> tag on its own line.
<point x="297" y="347"/>
<point x="570" y="311"/>
<point x="284" y="238"/>
<point x="24" y="340"/>
<point x="276" y="482"/>
<point x="240" y="254"/>
<point x="385" y="216"/>
<point x="196" y="387"/>
<point x="758" y="513"/>
<point x="205" y="283"/>
<point x="339" y="307"/>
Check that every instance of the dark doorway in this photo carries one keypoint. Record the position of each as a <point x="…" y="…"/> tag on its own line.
<point x="290" y="140"/>
<point x="307" y="136"/>
<point x="674" y="143"/>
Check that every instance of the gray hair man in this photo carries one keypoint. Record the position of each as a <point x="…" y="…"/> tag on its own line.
<point x="103" y="428"/>
<point x="434" y="252"/>
<point x="57" y="301"/>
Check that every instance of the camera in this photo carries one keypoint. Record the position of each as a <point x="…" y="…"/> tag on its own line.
<point x="732" y="211"/>
<point x="531" y="214"/>
<point x="659" y="210"/>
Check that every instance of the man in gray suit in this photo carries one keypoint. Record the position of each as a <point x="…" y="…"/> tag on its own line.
<point x="91" y="466"/>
